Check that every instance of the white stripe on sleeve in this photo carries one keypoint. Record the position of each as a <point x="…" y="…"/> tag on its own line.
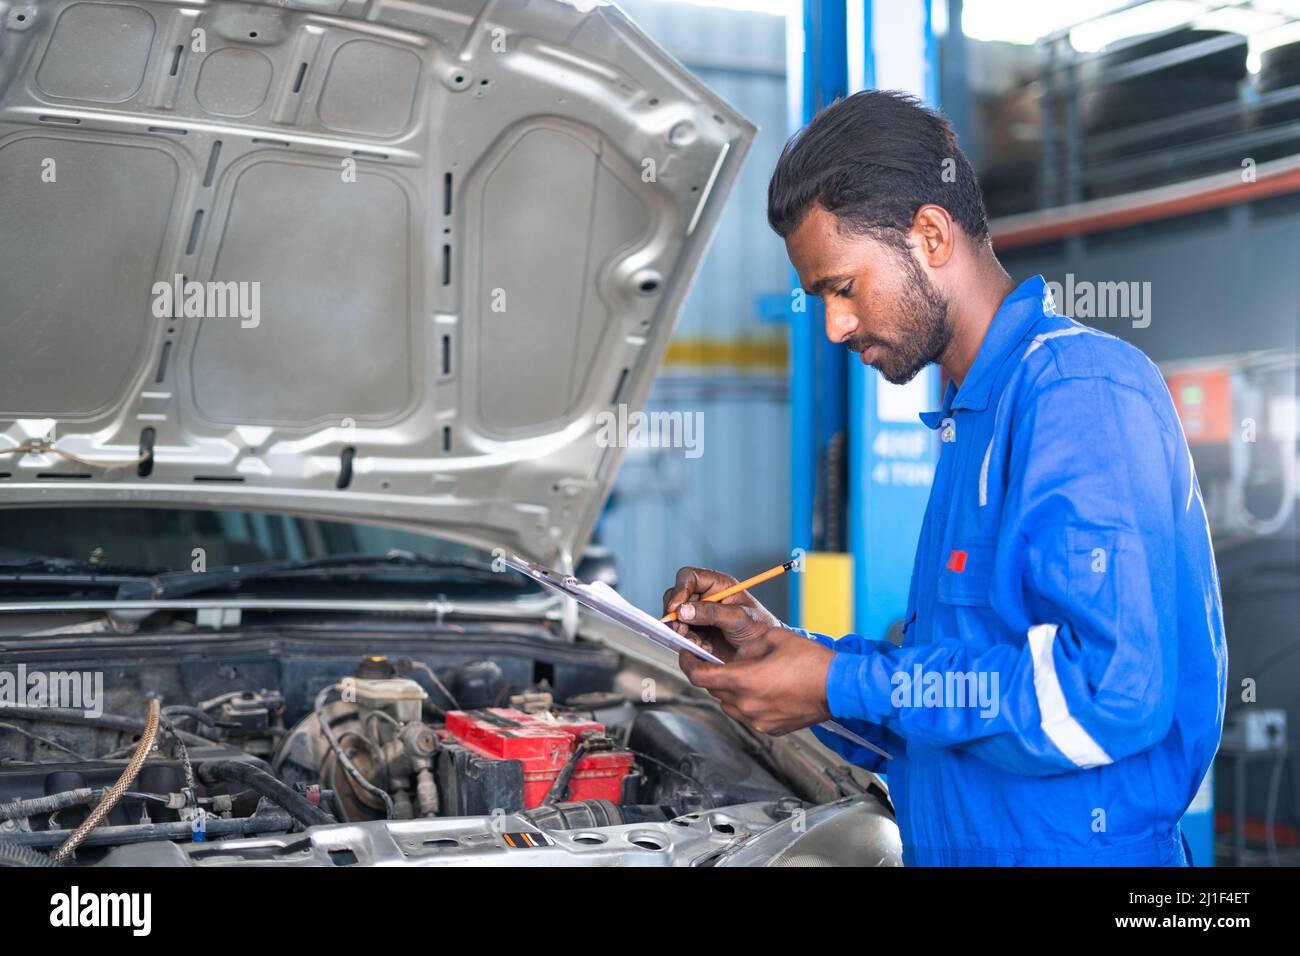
<point x="1061" y="729"/>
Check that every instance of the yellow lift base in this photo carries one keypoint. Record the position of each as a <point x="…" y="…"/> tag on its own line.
<point x="826" y="593"/>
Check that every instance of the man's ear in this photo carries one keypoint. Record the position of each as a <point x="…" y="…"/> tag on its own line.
<point x="935" y="235"/>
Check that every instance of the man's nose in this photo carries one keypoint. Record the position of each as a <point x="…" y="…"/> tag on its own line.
<point x="841" y="323"/>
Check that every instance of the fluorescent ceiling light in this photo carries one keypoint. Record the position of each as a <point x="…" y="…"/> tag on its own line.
<point x="1148" y="18"/>
<point x="1024" y="21"/>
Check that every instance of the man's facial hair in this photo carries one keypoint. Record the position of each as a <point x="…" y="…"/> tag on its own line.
<point x="923" y="330"/>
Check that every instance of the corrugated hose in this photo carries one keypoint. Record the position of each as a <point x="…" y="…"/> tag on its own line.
<point x="114" y="793"/>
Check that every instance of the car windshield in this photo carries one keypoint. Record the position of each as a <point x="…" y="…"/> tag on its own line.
<point x="122" y="542"/>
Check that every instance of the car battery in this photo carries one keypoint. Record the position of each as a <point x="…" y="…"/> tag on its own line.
<point x="502" y="758"/>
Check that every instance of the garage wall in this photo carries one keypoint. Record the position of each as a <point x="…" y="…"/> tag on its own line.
<point x="729" y="507"/>
<point x="1221" y="282"/>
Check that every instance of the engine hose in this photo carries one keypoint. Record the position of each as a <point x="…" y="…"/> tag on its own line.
<point x="573" y="816"/>
<point x="64" y="715"/>
<point x="81" y="797"/>
<point x="218" y="828"/>
<point x="587" y="814"/>
<point x="253" y="776"/>
<point x="37" y="806"/>
<point x="114" y="793"/>
<point x="13" y="854"/>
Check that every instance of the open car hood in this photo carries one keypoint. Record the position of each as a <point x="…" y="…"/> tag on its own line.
<point x="431" y="242"/>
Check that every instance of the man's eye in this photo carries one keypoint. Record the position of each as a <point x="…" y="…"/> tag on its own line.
<point x="845" y="291"/>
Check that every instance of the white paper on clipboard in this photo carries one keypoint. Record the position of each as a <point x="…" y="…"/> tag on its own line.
<point x="607" y="602"/>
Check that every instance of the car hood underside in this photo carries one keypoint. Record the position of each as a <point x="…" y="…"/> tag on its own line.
<point x="384" y="261"/>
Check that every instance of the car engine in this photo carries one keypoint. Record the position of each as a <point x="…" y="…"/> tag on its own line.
<point x="401" y="761"/>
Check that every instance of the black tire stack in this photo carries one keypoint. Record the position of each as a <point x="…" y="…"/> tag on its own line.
<point x="1106" y="107"/>
<point x="1279" y="69"/>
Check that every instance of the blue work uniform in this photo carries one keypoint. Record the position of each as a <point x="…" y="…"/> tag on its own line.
<point x="1059" y="692"/>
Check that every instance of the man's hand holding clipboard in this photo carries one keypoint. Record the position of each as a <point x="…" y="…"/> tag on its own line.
<point x="775" y="678"/>
<point x="764" y="674"/>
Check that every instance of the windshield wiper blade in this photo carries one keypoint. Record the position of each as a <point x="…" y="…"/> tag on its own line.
<point x="70" y="571"/>
<point x="177" y="584"/>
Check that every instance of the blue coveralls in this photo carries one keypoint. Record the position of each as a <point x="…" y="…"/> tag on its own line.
<point x="1064" y="561"/>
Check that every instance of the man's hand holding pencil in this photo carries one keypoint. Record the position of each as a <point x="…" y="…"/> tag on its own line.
<point x="747" y="622"/>
<point x="774" y="679"/>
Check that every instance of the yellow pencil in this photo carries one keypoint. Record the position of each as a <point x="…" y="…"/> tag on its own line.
<point x="744" y="585"/>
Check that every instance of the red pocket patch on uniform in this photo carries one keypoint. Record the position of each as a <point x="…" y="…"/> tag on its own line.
<point x="957" y="561"/>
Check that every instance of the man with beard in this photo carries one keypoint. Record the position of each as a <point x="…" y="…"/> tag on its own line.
<point x="1058" y="695"/>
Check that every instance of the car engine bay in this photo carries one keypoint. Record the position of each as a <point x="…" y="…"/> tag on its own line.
<point x="306" y="747"/>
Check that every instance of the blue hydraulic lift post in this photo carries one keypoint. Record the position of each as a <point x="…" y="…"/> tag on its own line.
<point x="817" y="368"/>
<point x="891" y="453"/>
<point x="952" y="82"/>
